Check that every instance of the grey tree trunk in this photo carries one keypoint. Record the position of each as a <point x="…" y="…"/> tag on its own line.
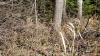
<point x="58" y="19"/>
<point x="58" y="14"/>
<point x="79" y="2"/>
<point x="65" y="17"/>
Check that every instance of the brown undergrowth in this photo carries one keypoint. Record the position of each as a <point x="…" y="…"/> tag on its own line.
<point x="20" y="37"/>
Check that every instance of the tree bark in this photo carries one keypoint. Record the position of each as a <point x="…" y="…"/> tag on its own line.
<point x="65" y="17"/>
<point x="58" y="19"/>
<point x="58" y="14"/>
<point x="79" y="2"/>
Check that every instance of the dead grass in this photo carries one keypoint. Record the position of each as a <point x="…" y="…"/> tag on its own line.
<point x="18" y="40"/>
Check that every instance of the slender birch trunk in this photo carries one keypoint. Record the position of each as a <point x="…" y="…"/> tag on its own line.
<point x="65" y="18"/>
<point x="58" y="14"/>
<point x="36" y="16"/>
<point x="58" y="19"/>
<point x="79" y="2"/>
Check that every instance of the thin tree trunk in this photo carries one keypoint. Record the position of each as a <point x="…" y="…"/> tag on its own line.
<point x="65" y="18"/>
<point x="58" y="14"/>
<point x="36" y="16"/>
<point x="58" y="19"/>
<point x="79" y="2"/>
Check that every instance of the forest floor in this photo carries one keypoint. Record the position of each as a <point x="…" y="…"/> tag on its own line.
<point x="20" y="36"/>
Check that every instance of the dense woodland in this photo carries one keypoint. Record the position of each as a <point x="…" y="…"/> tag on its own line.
<point x="49" y="27"/>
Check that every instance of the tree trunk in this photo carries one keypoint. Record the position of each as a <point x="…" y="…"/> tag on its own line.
<point x="79" y="2"/>
<point x="58" y="19"/>
<point x="65" y="17"/>
<point x="58" y="14"/>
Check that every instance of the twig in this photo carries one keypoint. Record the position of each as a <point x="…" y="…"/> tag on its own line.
<point x="86" y="26"/>
<point x="36" y="16"/>
<point x="32" y="7"/>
